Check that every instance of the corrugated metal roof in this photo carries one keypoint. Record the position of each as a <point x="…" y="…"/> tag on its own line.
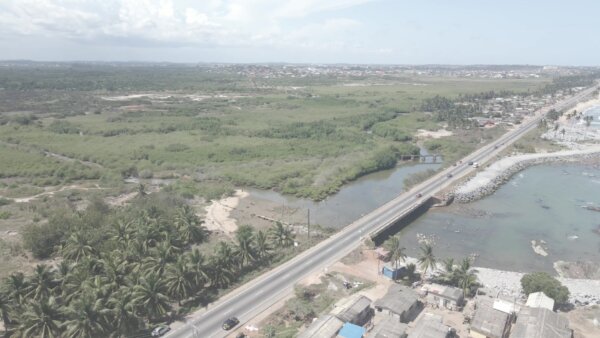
<point x="350" y="308"/>
<point x="489" y="321"/>
<point x="398" y="299"/>
<point x="539" y="299"/>
<point x="326" y="326"/>
<point x="540" y="323"/>
<point x="429" y="325"/>
<point x="390" y="327"/>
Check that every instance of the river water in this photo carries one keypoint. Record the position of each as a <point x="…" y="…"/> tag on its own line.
<point x="541" y="203"/>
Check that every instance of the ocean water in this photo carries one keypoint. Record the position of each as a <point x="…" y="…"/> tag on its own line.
<point x="541" y="203"/>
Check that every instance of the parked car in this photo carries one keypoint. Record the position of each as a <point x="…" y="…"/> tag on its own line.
<point x="449" y="175"/>
<point x="160" y="330"/>
<point x="419" y="195"/>
<point x="230" y="323"/>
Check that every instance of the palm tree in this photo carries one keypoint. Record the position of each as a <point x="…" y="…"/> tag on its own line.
<point x="396" y="250"/>
<point x="16" y="287"/>
<point x="121" y="231"/>
<point x="77" y="247"/>
<point x="410" y="271"/>
<point x="281" y="236"/>
<point x="40" y="319"/>
<point x="222" y="266"/>
<point x="6" y="307"/>
<point x="198" y="268"/>
<point x="41" y="283"/>
<point x="261" y="242"/>
<point x="190" y="226"/>
<point x="179" y="280"/>
<point x="466" y="281"/>
<point x="116" y="268"/>
<point x="161" y="256"/>
<point x="86" y="318"/>
<point x="121" y="313"/>
<point x="244" y="251"/>
<point x="427" y="261"/>
<point x="150" y="297"/>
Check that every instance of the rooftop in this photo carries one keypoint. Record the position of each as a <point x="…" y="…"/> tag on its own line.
<point x="540" y="323"/>
<point x="389" y="327"/>
<point x="398" y="299"/>
<point x="539" y="299"/>
<point x="429" y="325"/>
<point x="489" y="321"/>
<point x="350" y="330"/>
<point x="325" y="326"/>
<point x="350" y="308"/>
<point x="448" y="292"/>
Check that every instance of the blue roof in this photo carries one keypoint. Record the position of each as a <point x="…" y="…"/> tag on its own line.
<point x="350" y="330"/>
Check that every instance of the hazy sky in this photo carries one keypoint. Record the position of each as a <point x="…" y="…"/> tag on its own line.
<point x="328" y="31"/>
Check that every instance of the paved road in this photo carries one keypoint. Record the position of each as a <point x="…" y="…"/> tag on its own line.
<point x="261" y="293"/>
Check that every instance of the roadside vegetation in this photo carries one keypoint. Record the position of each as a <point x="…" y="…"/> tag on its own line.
<point x="118" y="272"/>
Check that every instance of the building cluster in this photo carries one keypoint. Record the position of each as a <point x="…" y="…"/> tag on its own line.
<point x="410" y="312"/>
<point x="513" y="109"/>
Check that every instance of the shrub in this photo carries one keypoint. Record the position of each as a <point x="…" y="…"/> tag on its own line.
<point x="176" y="147"/>
<point x="541" y="281"/>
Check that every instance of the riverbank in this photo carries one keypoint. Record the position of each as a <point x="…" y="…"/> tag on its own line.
<point x="491" y="178"/>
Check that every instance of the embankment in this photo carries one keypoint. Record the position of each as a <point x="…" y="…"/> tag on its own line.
<point x="491" y="178"/>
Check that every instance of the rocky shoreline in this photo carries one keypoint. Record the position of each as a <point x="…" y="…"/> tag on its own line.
<point x="477" y="188"/>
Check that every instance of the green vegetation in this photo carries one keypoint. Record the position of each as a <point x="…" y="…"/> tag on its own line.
<point x="543" y="282"/>
<point x="127" y="269"/>
<point x="215" y="124"/>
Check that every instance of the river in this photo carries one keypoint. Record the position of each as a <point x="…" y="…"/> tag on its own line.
<point x="540" y="203"/>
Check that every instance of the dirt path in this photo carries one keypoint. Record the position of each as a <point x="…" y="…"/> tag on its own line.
<point x="52" y="192"/>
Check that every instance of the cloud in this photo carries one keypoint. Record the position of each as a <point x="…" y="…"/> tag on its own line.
<point x="180" y="22"/>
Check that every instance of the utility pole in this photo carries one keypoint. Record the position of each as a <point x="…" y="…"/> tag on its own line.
<point x="308" y="223"/>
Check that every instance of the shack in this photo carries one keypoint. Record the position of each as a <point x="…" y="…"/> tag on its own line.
<point x="389" y="327"/>
<point x="443" y="296"/>
<point x="489" y="322"/>
<point x="430" y="325"/>
<point x="392" y="272"/>
<point x="355" y="309"/>
<point x="326" y="326"/>
<point x="400" y="302"/>
<point x="540" y="323"/>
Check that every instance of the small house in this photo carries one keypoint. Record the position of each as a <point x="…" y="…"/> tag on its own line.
<point x="443" y="296"/>
<point x="540" y="300"/>
<point x="326" y="326"/>
<point x="489" y="322"/>
<point x="389" y="327"/>
<point x="430" y="325"/>
<point x="355" y="309"/>
<point x="400" y="302"/>
<point x="350" y="330"/>
<point x="540" y="323"/>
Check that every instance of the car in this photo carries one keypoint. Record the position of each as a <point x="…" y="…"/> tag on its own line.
<point x="449" y="175"/>
<point x="419" y="195"/>
<point x="230" y="323"/>
<point x="160" y="330"/>
<point x="470" y="163"/>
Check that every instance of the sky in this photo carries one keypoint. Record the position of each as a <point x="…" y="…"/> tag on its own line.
<point x="550" y="32"/>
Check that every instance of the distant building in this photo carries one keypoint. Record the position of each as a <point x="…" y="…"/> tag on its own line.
<point x="389" y="327"/>
<point x="430" y="325"/>
<point x="326" y="326"/>
<point x="443" y="296"/>
<point x="540" y="300"/>
<point x="399" y="302"/>
<point x="355" y="309"/>
<point x="350" y="330"/>
<point x="540" y="323"/>
<point x="489" y="322"/>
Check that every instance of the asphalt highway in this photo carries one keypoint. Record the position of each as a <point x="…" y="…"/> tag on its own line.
<point x="264" y="291"/>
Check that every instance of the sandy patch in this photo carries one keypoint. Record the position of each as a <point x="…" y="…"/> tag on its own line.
<point x="422" y="133"/>
<point x="218" y="213"/>
<point x="585" y="322"/>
